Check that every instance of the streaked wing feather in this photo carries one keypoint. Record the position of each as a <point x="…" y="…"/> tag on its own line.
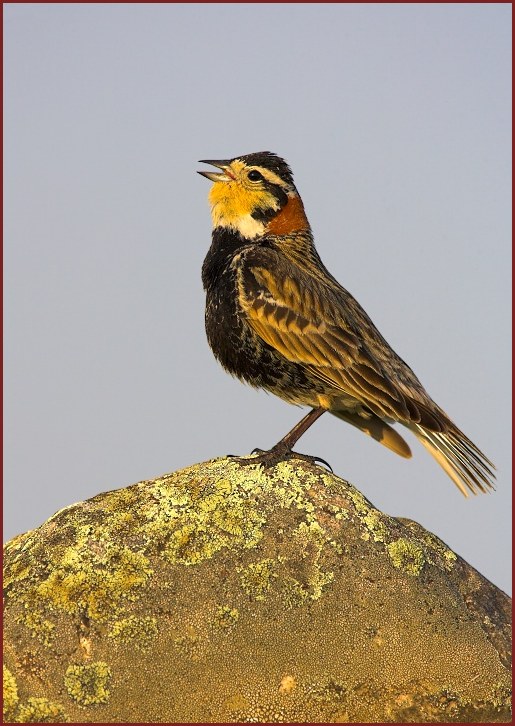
<point x="314" y="335"/>
<point x="339" y="345"/>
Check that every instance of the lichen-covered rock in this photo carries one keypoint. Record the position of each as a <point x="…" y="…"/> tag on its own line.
<point x="226" y="593"/>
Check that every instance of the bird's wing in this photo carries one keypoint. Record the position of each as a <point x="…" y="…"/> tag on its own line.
<point x="320" y="326"/>
<point x="308" y="324"/>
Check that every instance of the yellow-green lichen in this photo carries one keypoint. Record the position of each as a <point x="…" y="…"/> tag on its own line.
<point x="294" y="593"/>
<point x="361" y="504"/>
<point x="406" y="555"/>
<point x="450" y="556"/>
<point x="226" y="617"/>
<point x="87" y="684"/>
<point x="10" y="692"/>
<point x="338" y="512"/>
<point x="437" y="552"/>
<point x="311" y="539"/>
<point x="41" y="628"/>
<point x="98" y="564"/>
<point x="287" y="488"/>
<point x="95" y="576"/>
<point x="220" y="516"/>
<point x="311" y="533"/>
<point x="256" y="579"/>
<point x="183" y="519"/>
<point x="445" y="556"/>
<point x="373" y="520"/>
<point x="41" y="710"/>
<point x="140" y="632"/>
<point x="18" y="553"/>
<point x="318" y="581"/>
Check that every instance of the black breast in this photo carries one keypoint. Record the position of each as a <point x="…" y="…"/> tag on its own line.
<point x="238" y="348"/>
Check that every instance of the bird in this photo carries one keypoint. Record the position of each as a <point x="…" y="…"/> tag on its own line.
<point x="277" y="319"/>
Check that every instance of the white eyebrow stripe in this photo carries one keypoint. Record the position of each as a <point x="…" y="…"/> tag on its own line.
<point x="272" y="177"/>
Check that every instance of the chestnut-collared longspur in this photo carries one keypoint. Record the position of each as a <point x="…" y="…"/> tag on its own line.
<point x="277" y="319"/>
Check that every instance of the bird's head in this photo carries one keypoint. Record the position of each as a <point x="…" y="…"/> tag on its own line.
<point x="255" y="195"/>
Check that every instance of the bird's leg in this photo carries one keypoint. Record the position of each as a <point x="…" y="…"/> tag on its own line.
<point x="284" y="448"/>
<point x="288" y="442"/>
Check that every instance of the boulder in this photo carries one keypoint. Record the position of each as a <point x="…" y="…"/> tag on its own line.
<point x="231" y="593"/>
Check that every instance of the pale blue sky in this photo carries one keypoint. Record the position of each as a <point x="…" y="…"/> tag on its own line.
<point x="396" y="120"/>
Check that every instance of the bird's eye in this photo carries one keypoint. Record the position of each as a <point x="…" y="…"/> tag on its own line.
<point x="254" y="175"/>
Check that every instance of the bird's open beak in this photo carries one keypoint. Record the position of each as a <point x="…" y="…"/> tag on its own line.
<point x="215" y="176"/>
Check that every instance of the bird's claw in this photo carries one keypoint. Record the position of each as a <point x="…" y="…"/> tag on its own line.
<point x="324" y="462"/>
<point x="273" y="456"/>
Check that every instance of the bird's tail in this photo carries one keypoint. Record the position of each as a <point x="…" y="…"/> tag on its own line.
<point x="467" y="466"/>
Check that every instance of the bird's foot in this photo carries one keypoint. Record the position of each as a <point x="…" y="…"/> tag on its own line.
<point x="270" y="457"/>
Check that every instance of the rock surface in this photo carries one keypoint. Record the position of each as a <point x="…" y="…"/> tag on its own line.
<point x="223" y="593"/>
